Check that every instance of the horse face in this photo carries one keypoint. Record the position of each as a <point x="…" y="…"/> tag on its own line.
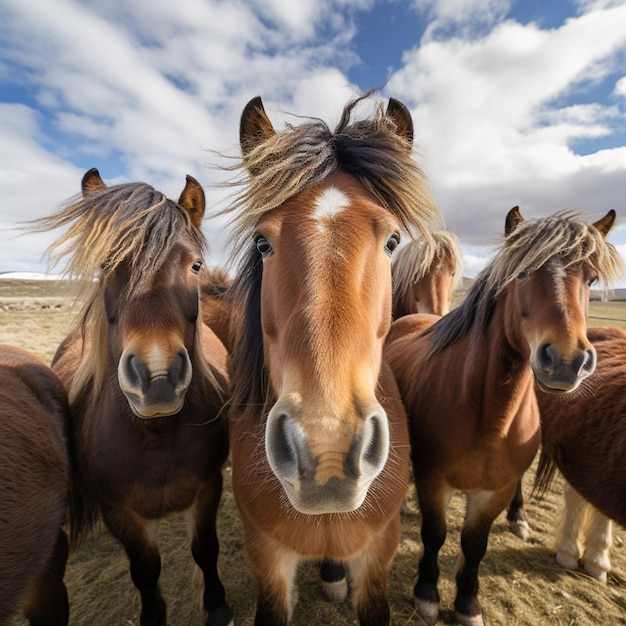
<point x="325" y="310"/>
<point x="152" y="332"/>
<point x="554" y="302"/>
<point x="433" y="292"/>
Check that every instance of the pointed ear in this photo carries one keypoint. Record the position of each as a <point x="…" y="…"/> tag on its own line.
<point x="513" y="219"/>
<point x="401" y="116"/>
<point x="605" y="224"/>
<point x="254" y="127"/>
<point x="192" y="199"/>
<point x="91" y="182"/>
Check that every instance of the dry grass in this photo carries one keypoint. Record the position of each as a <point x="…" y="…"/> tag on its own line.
<point x="520" y="582"/>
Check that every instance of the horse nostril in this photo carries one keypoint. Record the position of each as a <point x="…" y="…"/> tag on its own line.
<point x="282" y="441"/>
<point x="586" y="362"/>
<point x="548" y="357"/>
<point x="179" y="370"/>
<point x="136" y="372"/>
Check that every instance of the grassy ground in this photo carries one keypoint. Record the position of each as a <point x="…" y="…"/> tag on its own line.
<point x="520" y="582"/>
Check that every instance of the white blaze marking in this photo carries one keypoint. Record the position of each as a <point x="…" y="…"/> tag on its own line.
<point x="330" y="203"/>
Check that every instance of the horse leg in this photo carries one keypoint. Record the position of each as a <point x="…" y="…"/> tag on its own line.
<point x="145" y="562"/>
<point x="369" y="573"/>
<point x="433" y="502"/>
<point x="334" y="583"/>
<point x="205" y="550"/>
<point x="46" y="603"/>
<point x="598" y="541"/>
<point x="273" y="568"/>
<point x="516" y="516"/>
<point x="568" y="550"/>
<point x="482" y="509"/>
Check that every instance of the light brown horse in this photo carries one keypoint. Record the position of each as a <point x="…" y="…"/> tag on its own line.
<point x="584" y="436"/>
<point x="425" y="273"/>
<point x="34" y="481"/>
<point x="146" y="378"/>
<point x="319" y="438"/>
<point x="468" y="382"/>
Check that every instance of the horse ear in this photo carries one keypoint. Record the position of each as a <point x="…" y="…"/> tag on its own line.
<point x="254" y="127"/>
<point x="605" y="224"/>
<point x="92" y="182"/>
<point x="192" y="199"/>
<point x="513" y="219"/>
<point x="401" y="116"/>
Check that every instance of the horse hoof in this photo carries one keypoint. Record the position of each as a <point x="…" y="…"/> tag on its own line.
<point x="598" y="573"/>
<point x="567" y="561"/>
<point x="336" y="591"/>
<point x="428" y="611"/>
<point x="470" y="620"/>
<point x="520" y="528"/>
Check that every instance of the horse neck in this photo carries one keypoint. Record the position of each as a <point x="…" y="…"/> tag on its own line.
<point x="496" y="366"/>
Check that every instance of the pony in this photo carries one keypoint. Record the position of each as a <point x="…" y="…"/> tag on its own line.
<point x="425" y="272"/>
<point x="34" y="482"/>
<point x="467" y="382"/>
<point x="584" y="436"/>
<point x="146" y="379"/>
<point x="319" y="439"/>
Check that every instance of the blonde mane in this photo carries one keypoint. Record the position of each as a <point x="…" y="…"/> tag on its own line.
<point x="302" y="156"/>
<point x="415" y="258"/>
<point x="532" y="244"/>
<point x="130" y="223"/>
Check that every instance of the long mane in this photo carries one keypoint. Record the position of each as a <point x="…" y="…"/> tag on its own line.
<point x="415" y="258"/>
<point x="302" y="156"/>
<point x="530" y="246"/>
<point x="285" y="165"/>
<point x="131" y="223"/>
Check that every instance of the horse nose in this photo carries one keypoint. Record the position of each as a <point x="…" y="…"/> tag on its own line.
<point x="140" y="375"/>
<point x="321" y="474"/>
<point x="155" y="385"/>
<point x="582" y="365"/>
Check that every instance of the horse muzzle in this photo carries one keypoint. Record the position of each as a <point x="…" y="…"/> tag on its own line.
<point x="556" y="374"/>
<point x="154" y="388"/>
<point x="321" y="471"/>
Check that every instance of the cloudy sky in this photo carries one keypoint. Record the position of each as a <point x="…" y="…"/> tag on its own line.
<point x="514" y="102"/>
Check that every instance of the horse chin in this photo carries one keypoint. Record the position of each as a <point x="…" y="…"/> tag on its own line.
<point x="556" y="387"/>
<point x="322" y="503"/>
<point x="147" y="412"/>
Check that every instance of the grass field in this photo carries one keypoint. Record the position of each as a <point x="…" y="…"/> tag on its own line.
<point x="520" y="582"/>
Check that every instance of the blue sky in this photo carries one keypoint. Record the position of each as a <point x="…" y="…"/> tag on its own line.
<point x="514" y="102"/>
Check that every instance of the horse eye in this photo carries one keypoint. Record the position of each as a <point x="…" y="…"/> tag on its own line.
<point x="523" y="275"/>
<point x="195" y="268"/>
<point x="263" y="246"/>
<point x="392" y="243"/>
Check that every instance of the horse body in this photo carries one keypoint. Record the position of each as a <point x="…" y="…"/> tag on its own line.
<point x="146" y="380"/>
<point x="318" y="434"/>
<point x="34" y="484"/>
<point x="467" y="383"/>
<point x="583" y="436"/>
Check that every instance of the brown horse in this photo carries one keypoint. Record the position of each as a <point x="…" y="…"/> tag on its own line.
<point x="146" y="378"/>
<point x="319" y="437"/>
<point x="468" y="382"/>
<point x="425" y="272"/>
<point x="34" y="481"/>
<point x="584" y="436"/>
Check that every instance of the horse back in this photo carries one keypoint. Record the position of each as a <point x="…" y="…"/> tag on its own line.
<point x="33" y="481"/>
